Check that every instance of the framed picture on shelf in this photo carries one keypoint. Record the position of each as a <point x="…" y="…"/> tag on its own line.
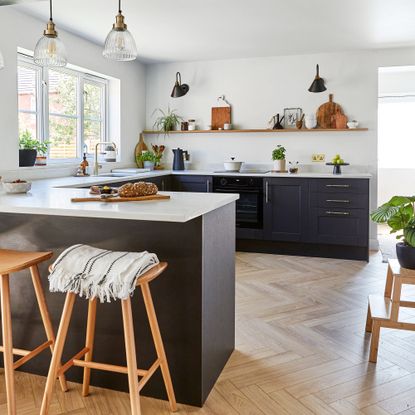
<point x="291" y="116"/>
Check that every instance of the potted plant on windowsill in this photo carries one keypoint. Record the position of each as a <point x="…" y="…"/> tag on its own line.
<point x="42" y="152"/>
<point x="27" y="149"/>
<point x="278" y="156"/>
<point x="149" y="159"/>
<point x="399" y="215"/>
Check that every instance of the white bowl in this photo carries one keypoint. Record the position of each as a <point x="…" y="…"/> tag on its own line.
<point x="23" y="187"/>
<point x="352" y="124"/>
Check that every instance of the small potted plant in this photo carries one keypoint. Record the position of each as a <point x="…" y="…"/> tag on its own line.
<point x="42" y="153"/>
<point x="158" y="152"/>
<point x="149" y="159"/>
<point x="399" y="215"/>
<point x="27" y="149"/>
<point x="278" y="156"/>
<point x="166" y="121"/>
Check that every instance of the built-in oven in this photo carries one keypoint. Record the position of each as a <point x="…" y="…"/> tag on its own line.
<point x="249" y="206"/>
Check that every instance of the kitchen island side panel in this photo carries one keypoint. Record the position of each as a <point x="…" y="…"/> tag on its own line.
<point x="177" y="296"/>
<point x="218" y="293"/>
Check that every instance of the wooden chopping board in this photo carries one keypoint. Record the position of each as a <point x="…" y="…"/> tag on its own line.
<point x="220" y="116"/>
<point x="326" y="113"/>
<point x="139" y="148"/>
<point x="119" y="199"/>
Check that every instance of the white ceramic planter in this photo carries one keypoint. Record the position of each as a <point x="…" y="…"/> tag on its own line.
<point x="279" y="165"/>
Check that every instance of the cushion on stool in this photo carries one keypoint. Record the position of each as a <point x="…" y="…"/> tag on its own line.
<point x="92" y="272"/>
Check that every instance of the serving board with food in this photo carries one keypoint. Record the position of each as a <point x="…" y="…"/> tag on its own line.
<point x="129" y="192"/>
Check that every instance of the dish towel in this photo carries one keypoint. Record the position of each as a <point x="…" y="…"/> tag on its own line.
<point x="92" y="272"/>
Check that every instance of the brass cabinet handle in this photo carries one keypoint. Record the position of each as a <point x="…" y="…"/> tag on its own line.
<point x="344" y="186"/>
<point x="338" y="201"/>
<point x="329" y="212"/>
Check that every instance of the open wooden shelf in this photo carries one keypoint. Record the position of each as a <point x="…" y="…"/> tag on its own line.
<point x="287" y="130"/>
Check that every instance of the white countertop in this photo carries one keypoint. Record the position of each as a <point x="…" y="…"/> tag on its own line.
<point x="53" y="197"/>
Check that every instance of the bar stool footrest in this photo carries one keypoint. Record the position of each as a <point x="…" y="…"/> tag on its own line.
<point x="27" y="354"/>
<point x="71" y="361"/>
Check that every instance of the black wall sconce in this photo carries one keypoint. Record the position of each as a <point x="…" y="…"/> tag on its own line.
<point x="318" y="83"/>
<point x="179" y="89"/>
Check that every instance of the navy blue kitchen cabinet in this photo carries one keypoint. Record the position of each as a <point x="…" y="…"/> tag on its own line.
<point x="286" y="207"/>
<point x="191" y="183"/>
<point x="339" y="213"/>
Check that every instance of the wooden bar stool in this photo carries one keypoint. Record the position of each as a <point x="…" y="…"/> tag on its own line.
<point x="383" y="311"/>
<point x="10" y="262"/>
<point x="131" y="370"/>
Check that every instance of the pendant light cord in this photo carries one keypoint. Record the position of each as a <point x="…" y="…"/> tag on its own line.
<point x="119" y="6"/>
<point x="50" y="10"/>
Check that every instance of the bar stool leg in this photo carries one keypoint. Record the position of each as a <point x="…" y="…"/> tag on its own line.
<point x="57" y="353"/>
<point x="369" y="321"/>
<point x="89" y="343"/>
<point x="6" y="321"/>
<point x="374" y="343"/>
<point x="158" y="342"/>
<point x="127" y="317"/>
<point x="44" y="312"/>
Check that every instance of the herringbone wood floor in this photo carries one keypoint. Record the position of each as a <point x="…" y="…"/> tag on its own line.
<point x="301" y="349"/>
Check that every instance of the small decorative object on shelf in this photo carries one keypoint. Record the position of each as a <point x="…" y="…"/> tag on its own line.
<point x="326" y="113"/>
<point x="293" y="167"/>
<point x="352" y="124"/>
<point x="310" y="121"/>
<point x="337" y="162"/>
<point x="167" y="120"/>
<point x="277" y="122"/>
<point x="291" y="116"/>
<point x="399" y="214"/>
<point x="278" y="156"/>
<point x="340" y="121"/>
<point x="299" y="123"/>
<point x="192" y="125"/>
<point x="227" y="126"/>
<point x="184" y="126"/>
<point x="222" y="114"/>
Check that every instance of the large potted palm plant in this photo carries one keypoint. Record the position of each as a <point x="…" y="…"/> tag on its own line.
<point x="399" y="215"/>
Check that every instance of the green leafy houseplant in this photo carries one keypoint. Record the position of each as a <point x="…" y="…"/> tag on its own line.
<point x="166" y="121"/>
<point x="148" y="156"/>
<point x="399" y="215"/>
<point x="27" y="142"/>
<point x="279" y="153"/>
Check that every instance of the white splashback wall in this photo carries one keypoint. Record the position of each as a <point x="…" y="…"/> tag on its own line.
<point x="259" y="88"/>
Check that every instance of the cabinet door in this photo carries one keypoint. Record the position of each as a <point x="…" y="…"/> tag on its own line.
<point x="286" y="209"/>
<point x="192" y="183"/>
<point x="337" y="226"/>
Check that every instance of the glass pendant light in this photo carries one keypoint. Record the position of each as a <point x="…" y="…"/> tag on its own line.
<point x="120" y="44"/>
<point x="50" y="50"/>
<point x="1" y="61"/>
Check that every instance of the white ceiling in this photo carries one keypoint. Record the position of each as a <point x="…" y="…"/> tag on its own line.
<point x="175" y="30"/>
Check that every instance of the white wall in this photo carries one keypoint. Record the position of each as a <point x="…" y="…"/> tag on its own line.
<point x="20" y="30"/>
<point x="261" y="87"/>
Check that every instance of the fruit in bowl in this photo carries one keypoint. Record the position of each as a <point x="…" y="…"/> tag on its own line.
<point x="337" y="159"/>
<point x="17" y="186"/>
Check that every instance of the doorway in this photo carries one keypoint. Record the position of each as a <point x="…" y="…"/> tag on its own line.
<point x="396" y="141"/>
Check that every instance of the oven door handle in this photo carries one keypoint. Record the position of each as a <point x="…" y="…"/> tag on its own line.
<point x="236" y="191"/>
<point x="266" y="192"/>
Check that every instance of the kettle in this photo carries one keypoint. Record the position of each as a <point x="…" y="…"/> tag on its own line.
<point x="178" y="161"/>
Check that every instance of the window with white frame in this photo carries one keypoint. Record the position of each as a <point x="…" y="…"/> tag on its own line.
<point x="66" y="107"/>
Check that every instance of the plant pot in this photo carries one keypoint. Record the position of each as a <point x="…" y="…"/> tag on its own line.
<point x="279" y="165"/>
<point x="406" y="255"/>
<point x="27" y="158"/>
<point x="41" y="161"/>
<point x="149" y="165"/>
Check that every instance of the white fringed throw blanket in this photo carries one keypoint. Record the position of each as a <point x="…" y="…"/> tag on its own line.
<point x="92" y="272"/>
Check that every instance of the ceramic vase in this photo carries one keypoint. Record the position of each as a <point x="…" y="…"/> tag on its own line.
<point x="279" y="165"/>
